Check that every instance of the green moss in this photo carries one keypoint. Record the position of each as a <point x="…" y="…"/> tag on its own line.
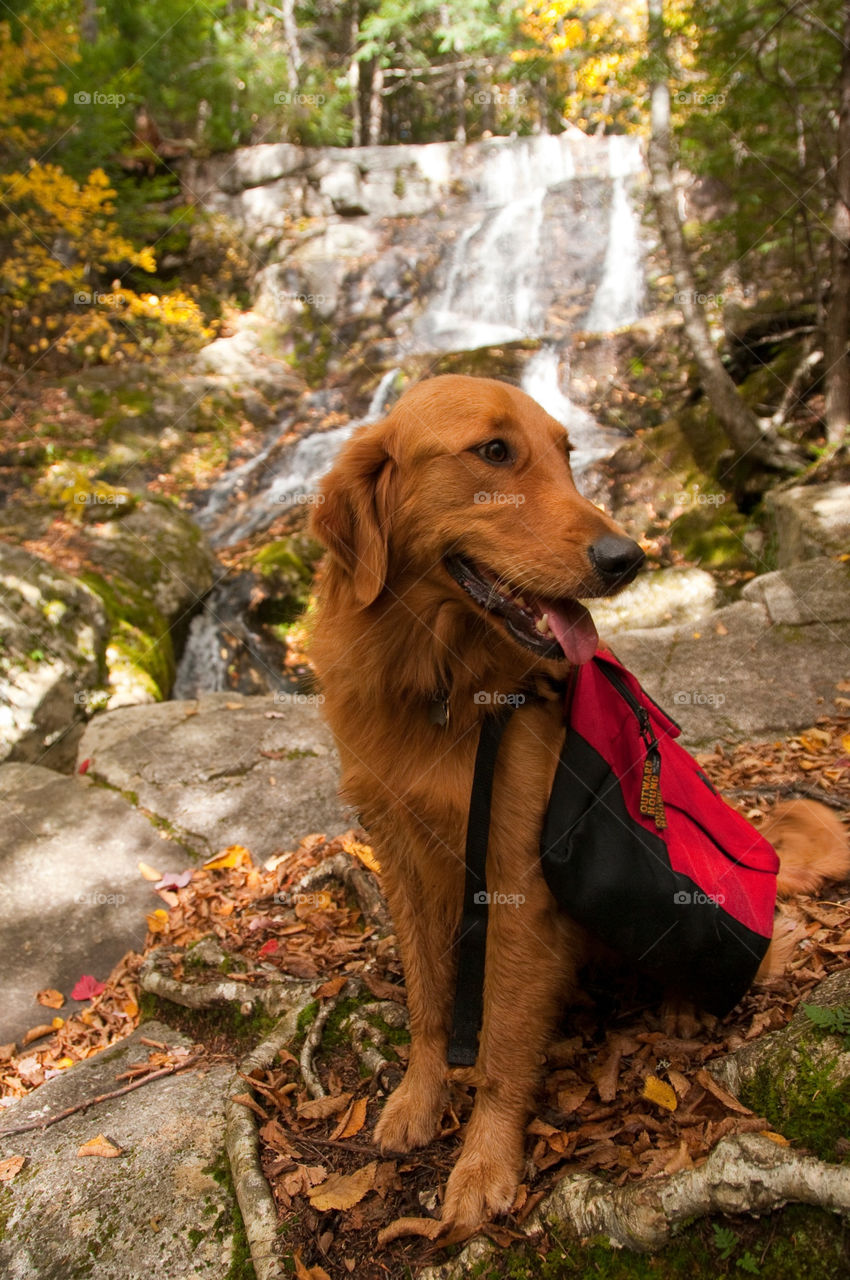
<point x="242" y="1029"/>
<point x="711" y="536"/>
<point x="810" y="1109"/>
<point x="139" y="645"/>
<point x="798" y="1243"/>
<point x="241" y="1265"/>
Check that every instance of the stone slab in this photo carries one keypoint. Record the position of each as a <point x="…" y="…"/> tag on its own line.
<point x="201" y="765"/>
<point x="159" y="1209"/>
<point x="72" y="900"/>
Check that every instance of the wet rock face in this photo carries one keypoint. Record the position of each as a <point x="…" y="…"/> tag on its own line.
<point x="53" y="631"/>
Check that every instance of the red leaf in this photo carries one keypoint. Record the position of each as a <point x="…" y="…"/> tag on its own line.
<point x="84" y="766"/>
<point x="268" y="947"/>
<point x="87" y="987"/>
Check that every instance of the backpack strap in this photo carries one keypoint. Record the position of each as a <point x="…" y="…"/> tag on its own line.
<point x="472" y="941"/>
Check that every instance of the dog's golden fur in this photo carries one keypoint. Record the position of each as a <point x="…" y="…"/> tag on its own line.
<point x="395" y="636"/>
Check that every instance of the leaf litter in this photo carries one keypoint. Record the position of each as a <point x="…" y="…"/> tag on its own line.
<point x="622" y="1096"/>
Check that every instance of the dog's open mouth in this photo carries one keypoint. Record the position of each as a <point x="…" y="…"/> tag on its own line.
<point x="560" y="628"/>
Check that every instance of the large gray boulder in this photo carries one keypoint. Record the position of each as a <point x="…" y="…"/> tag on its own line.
<point x="163" y="1207"/>
<point x="53" y="633"/>
<point x="767" y="664"/>
<point x="72" y="900"/>
<point x="225" y="769"/>
<point x="809" y="521"/>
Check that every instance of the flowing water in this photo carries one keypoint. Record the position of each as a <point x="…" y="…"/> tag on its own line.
<point x="535" y="233"/>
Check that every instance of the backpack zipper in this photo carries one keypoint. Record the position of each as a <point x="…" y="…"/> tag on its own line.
<point x="651" y="800"/>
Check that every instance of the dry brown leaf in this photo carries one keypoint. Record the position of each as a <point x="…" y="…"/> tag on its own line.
<point x="660" y="1092"/>
<point x="100" y="1146"/>
<point x="778" y="1138"/>
<point x="11" y="1167"/>
<point x="331" y="988"/>
<point x="50" y="998"/>
<point x="344" y="1190"/>
<point x="679" y="1082"/>
<point x="149" y="873"/>
<point x="321" y="1108"/>
<point x="35" y="1033"/>
<point x="353" y="1120"/>
<point x="569" y="1100"/>
<point x="707" y="1080"/>
<point x="248" y="1101"/>
<point x="308" y="1273"/>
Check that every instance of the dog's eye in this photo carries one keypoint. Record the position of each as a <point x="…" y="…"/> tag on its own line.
<point x="495" y="451"/>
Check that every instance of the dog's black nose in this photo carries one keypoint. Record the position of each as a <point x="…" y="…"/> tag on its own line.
<point x="616" y="559"/>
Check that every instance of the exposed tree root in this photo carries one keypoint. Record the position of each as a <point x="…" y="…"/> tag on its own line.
<point x="345" y="869"/>
<point x="745" y="1174"/>
<point x="256" y="1202"/>
<point x="315" y="1088"/>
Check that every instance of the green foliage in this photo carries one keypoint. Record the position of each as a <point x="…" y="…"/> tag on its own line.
<point x="831" y="1021"/>
<point x="811" y="1109"/>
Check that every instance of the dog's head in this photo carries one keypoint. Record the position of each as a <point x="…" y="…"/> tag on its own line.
<point x="467" y="484"/>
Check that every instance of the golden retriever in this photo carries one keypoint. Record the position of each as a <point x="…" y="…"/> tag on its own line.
<point x="459" y="549"/>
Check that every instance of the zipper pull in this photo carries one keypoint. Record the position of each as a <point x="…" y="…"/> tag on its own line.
<point x="651" y="802"/>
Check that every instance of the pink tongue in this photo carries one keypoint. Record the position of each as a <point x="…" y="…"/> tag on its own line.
<point x="573" y="628"/>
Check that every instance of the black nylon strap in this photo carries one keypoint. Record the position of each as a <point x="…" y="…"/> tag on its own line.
<point x="472" y="942"/>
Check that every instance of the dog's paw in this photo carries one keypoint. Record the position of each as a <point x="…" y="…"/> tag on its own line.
<point x="411" y="1117"/>
<point x="480" y="1186"/>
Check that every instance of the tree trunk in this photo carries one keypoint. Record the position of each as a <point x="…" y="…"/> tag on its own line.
<point x="460" y="106"/>
<point x="837" y="330"/>
<point x="354" y="82"/>
<point x="742" y="428"/>
<point x="294" y="57"/>
<point x="376" y="105"/>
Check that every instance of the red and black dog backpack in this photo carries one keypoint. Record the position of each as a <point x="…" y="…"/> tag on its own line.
<point x="639" y="848"/>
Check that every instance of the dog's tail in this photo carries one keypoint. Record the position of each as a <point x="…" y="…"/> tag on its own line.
<point x="813" y="849"/>
<point x="812" y="845"/>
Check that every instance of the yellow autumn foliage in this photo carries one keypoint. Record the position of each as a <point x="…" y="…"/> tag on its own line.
<point x="65" y="260"/>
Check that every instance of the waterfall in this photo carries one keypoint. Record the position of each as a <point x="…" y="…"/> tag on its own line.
<point x="618" y="298"/>
<point x="542" y="381"/>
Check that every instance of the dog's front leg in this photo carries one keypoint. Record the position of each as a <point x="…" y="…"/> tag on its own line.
<point x="530" y="966"/>
<point x="425" y="912"/>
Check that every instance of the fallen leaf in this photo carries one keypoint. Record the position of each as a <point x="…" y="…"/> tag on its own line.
<point x="11" y="1167"/>
<point x="268" y="947"/>
<point x="100" y="1146"/>
<point x="174" y="880"/>
<point x="35" y="1033"/>
<point x="321" y="1108"/>
<point x="660" y="1092"/>
<point x="50" y="998"/>
<point x="235" y="855"/>
<point x="344" y="1190"/>
<point x="87" y="987"/>
<point x="331" y="988"/>
<point x="149" y="873"/>
<point x="308" y="1273"/>
<point x="157" y="921"/>
<point x="247" y="1100"/>
<point x="778" y="1138"/>
<point x="363" y="852"/>
<point x="84" y="766"/>
<point x="353" y="1120"/>
<point x="707" y="1080"/>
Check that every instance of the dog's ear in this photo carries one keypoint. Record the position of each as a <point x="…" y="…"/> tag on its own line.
<point x="354" y="513"/>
